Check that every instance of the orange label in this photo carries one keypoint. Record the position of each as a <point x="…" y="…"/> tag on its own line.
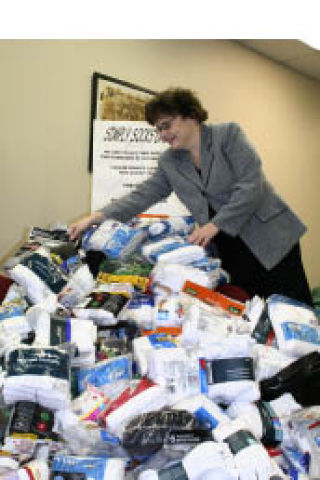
<point x="166" y="330"/>
<point x="213" y="298"/>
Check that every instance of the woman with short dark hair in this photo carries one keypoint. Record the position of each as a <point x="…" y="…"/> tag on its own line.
<point x="174" y="102"/>
<point x="217" y="174"/>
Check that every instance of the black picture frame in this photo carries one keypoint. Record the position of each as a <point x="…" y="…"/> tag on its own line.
<point x="129" y="106"/>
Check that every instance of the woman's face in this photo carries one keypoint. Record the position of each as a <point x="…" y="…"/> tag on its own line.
<point x="179" y="132"/>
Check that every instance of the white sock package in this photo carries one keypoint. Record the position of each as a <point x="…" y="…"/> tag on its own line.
<point x="208" y="458"/>
<point x="173" y="250"/>
<point x="269" y="361"/>
<point x="36" y="289"/>
<point x="174" y="276"/>
<point x="39" y="375"/>
<point x="251" y="458"/>
<point x="173" y="226"/>
<point x="174" y="370"/>
<point x="143" y="345"/>
<point x="82" y="333"/>
<point x="237" y="370"/>
<point x="115" y="239"/>
<point x="295" y="324"/>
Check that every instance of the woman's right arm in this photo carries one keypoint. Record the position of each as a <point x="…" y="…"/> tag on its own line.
<point x="147" y="193"/>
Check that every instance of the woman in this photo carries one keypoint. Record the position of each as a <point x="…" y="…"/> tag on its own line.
<point x="217" y="174"/>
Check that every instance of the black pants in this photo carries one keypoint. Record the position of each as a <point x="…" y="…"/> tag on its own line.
<point x="287" y="277"/>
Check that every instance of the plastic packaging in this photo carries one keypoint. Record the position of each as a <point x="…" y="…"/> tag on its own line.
<point x="173" y="250"/>
<point x="174" y="225"/>
<point x="175" y="370"/>
<point x="173" y="276"/>
<point x="301" y="378"/>
<point x="37" y="374"/>
<point x="105" y="372"/>
<point x="147" y="433"/>
<point x="295" y="325"/>
<point x="35" y="469"/>
<point x="102" y="307"/>
<point x="115" y="239"/>
<point x="95" y="468"/>
<point x="80" y="284"/>
<point x="8" y="468"/>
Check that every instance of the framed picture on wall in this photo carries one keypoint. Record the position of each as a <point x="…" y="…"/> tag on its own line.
<point x="114" y="99"/>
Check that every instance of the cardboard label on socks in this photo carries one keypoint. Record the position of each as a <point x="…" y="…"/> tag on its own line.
<point x="175" y="471"/>
<point x="240" y="440"/>
<point x="229" y="370"/>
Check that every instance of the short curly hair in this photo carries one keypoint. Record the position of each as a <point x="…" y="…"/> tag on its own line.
<point x="175" y="101"/>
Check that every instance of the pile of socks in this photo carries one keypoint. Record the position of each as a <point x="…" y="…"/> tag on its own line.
<point x="133" y="366"/>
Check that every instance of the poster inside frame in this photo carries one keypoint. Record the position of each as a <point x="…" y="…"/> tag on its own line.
<point x="114" y="99"/>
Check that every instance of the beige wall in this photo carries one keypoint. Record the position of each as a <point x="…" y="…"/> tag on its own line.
<point x="44" y="121"/>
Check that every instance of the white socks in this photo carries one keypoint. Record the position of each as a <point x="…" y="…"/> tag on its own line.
<point x="115" y="239"/>
<point x="229" y="370"/>
<point x="173" y="369"/>
<point x="173" y="250"/>
<point x="39" y="375"/>
<point x="296" y="326"/>
<point x="251" y="458"/>
<point x="209" y="460"/>
<point x="174" y="276"/>
<point x="269" y="361"/>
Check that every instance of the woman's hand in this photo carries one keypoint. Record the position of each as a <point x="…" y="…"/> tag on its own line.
<point x="77" y="228"/>
<point x="202" y="235"/>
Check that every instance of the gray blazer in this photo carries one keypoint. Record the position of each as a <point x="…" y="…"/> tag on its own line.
<point x="232" y="183"/>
